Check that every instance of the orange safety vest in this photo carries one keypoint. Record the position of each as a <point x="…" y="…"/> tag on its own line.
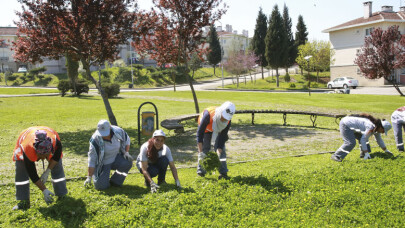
<point x="25" y="143"/>
<point x="211" y="111"/>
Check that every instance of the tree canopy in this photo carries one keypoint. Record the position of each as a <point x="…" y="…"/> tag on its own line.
<point x="382" y="52"/>
<point x="214" y="53"/>
<point x="258" y="44"/>
<point x="292" y="48"/>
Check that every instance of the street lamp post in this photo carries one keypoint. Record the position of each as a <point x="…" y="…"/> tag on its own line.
<point x="307" y="58"/>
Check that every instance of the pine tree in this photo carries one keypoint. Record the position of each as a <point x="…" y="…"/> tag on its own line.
<point x="301" y="35"/>
<point x="276" y="42"/>
<point x="292" y="49"/>
<point x="214" y="53"/>
<point x="258" y="45"/>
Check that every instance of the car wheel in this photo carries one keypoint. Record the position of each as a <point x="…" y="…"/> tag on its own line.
<point x="330" y="86"/>
<point x="345" y="86"/>
<point x="354" y="87"/>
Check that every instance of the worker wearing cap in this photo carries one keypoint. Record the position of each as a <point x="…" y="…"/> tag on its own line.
<point x="34" y="144"/>
<point x="213" y="127"/>
<point x="153" y="159"/>
<point x="360" y="127"/>
<point x="109" y="150"/>
<point x="398" y="122"/>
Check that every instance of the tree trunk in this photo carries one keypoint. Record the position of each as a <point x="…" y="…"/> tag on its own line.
<point x="396" y="86"/>
<point x="107" y="105"/>
<point x="214" y="72"/>
<point x="309" y="84"/>
<point x="174" y="81"/>
<point x="277" y="78"/>
<point x="237" y="81"/>
<point x="262" y="72"/>
<point x="190" y="82"/>
<point x="317" y="76"/>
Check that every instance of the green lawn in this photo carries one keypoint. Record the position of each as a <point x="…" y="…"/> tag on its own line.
<point x="19" y="91"/>
<point x="276" y="191"/>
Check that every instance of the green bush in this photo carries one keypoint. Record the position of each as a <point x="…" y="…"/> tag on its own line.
<point x="287" y="78"/>
<point x="151" y="69"/>
<point x="63" y="86"/>
<point x="123" y="75"/>
<point x="291" y="85"/>
<point x="17" y="82"/>
<point x="304" y="87"/>
<point x="11" y="77"/>
<point x="137" y="66"/>
<point x="82" y="86"/>
<point x="315" y="85"/>
<point x="111" y="89"/>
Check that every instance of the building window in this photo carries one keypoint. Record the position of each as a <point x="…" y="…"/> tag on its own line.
<point x="358" y="71"/>
<point x="369" y="31"/>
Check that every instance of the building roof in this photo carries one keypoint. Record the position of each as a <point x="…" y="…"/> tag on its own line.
<point x="8" y="31"/>
<point x="376" y="17"/>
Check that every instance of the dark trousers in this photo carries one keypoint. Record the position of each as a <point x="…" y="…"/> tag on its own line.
<point x="158" y="169"/>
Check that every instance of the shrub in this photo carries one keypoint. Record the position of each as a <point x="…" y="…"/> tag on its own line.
<point x="291" y="85"/>
<point x="304" y="87"/>
<point x="137" y="66"/>
<point x="287" y="77"/>
<point x="123" y="75"/>
<point x="315" y="85"/>
<point x="11" y="77"/>
<point x="63" y="86"/>
<point x="151" y="69"/>
<point x="17" y="82"/>
<point x="82" y="86"/>
<point x="111" y="89"/>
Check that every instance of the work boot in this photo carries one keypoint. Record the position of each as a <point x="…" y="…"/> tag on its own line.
<point x="22" y="205"/>
<point x="336" y="158"/>
<point x="201" y="174"/>
<point x="161" y="182"/>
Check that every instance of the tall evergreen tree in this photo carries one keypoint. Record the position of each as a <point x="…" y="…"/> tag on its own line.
<point x="301" y="35"/>
<point x="292" y="49"/>
<point x="258" y="45"/>
<point x="214" y="53"/>
<point x="276" y="42"/>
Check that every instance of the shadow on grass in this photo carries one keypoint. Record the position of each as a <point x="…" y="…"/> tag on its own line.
<point x="383" y="155"/>
<point x="70" y="211"/>
<point x="132" y="191"/>
<point x="275" y="186"/>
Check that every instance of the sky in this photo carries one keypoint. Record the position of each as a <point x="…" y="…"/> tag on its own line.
<point x="318" y="15"/>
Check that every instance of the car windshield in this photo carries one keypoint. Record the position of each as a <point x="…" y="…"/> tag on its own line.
<point x="350" y="78"/>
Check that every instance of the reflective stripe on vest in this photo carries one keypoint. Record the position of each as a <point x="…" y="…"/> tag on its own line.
<point x="25" y="143"/>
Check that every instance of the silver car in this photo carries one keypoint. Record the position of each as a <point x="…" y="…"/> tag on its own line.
<point x="343" y="82"/>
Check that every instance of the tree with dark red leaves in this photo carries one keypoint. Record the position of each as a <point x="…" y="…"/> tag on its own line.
<point x="88" y="30"/>
<point x="175" y="31"/>
<point x="383" y="51"/>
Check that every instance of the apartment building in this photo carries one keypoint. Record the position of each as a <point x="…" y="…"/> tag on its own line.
<point x="348" y="38"/>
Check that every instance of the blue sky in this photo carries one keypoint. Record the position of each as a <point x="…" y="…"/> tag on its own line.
<point x="318" y="14"/>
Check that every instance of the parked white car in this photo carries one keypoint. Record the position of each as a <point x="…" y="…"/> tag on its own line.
<point x="343" y="82"/>
<point x="22" y="70"/>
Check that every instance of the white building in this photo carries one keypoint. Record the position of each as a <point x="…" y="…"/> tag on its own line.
<point x="232" y="41"/>
<point x="348" y="38"/>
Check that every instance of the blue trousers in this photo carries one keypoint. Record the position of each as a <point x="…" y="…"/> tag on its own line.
<point x="121" y="167"/>
<point x="158" y="169"/>
<point x="397" y="127"/>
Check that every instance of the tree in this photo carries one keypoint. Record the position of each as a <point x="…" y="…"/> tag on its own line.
<point x="72" y="71"/>
<point x="291" y="48"/>
<point x="214" y="55"/>
<point x="258" y="44"/>
<point x="301" y="34"/>
<point x="89" y="30"/>
<point x="322" y="57"/>
<point x="249" y="63"/>
<point x="276" y="42"/>
<point x="185" y="20"/>
<point x="234" y="64"/>
<point x="195" y="62"/>
<point x="383" y="51"/>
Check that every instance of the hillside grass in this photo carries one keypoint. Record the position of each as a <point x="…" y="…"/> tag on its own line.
<point x="276" y="191"/>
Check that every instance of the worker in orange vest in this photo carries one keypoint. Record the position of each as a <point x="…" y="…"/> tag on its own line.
<point x="35" y="144"/>
<point x="213" y="127"/>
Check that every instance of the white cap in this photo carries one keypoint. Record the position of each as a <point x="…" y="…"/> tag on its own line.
<point x="228" y="110"/>
<point x="386" y="125"/>
<point x="159" y="133"/>
<point x="103" y="127"/>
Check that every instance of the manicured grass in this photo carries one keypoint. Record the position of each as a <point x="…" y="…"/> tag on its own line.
<point x="19" y="90"/>
<point x="297" y="82"/>
<point x="310" y="191"/>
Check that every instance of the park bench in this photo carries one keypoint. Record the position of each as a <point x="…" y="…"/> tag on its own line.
<point x="175" y="122"/>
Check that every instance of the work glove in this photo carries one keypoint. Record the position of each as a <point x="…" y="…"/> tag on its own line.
<point x="128" y="157"/>
<point x="48" y="196"/>
<point x="87" y="182"/>
<point x="44" y="176"/>
<point x="201" y="156"/>
<point x="153" y="187"/>
<point x="388" y="152"/>
<point x="178" y="183"/>
<point x="367" y="156"/>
